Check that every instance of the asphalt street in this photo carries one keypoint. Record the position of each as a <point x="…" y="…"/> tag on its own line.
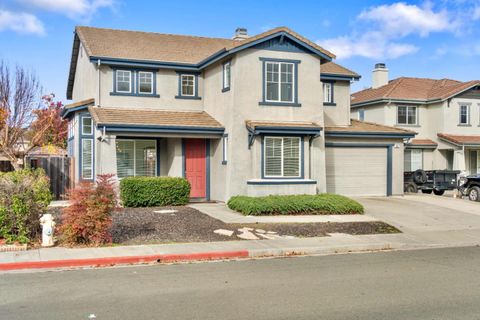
<point x="421" y="284"/>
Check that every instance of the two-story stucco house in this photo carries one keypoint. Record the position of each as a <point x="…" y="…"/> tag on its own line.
<point x="445" y="113"/>
<point x="259" y="115"/>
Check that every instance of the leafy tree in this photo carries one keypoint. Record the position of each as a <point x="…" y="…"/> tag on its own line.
<point x="49" y="121"/>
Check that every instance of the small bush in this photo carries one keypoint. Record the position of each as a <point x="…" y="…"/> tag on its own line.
<point x="295" y="204"/>
<point x="24" y="197"/>
<point x="154" y="191"/>
<point x="88" y="219"/>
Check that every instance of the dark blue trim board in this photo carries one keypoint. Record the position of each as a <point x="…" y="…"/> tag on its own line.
<point x="372" y="145"/>
<point x="264" y="101"/>
<point x="327" y="76"/>
<point x="80" y="145"/>
<point x="183" y="158"/>
<point x="281" y="131"/>
<point x="207" y="154"/>
<point x="270" y="182"/>
<point x="302" y="162"/>
<point x="162" y="129"/>
<point x="66" y="112"/>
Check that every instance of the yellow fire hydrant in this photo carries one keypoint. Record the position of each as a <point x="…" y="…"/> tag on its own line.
<point x="48" y="226"/>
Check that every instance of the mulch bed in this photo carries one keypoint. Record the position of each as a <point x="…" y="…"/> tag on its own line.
<point x="143" y="225"/>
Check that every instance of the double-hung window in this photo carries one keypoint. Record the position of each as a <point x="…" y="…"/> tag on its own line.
<point x="123" y="81"/>
<point x="187" y="88"/>
<point x="407" y="115"/>
<point x="282" y="157"/>
<point x="86" y="148"/>
<point x="464" y="115"/>
<point x="413" y="159"/>
<point x="279" y="81"/>
<point x="226" y="76"/>
<point x="145" y="82"/>
<point x="136" y="158"/>
<point x="328" y="92"/>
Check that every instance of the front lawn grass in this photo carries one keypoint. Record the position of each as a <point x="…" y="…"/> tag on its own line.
<point x="295" y="205"/>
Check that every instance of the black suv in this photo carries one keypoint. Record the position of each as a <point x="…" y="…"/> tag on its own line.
<point x="470" y="186"/>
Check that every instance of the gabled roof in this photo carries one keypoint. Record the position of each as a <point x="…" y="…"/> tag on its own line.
<point x="152" y="118"/>
<point x="420" y="90"/>
<point x="422" y="142"/>
<point x="460" y="140"/>
<point x="358" y="127"/>
<point x="333" y="69"/>
<point x="179" y="51"/>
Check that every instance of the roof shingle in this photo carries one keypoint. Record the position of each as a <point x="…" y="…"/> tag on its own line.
<point x="460" y="139"/>
<point x="363" y="126"/>
<point x="336" y="69"/>
<point x="285" y="124"/>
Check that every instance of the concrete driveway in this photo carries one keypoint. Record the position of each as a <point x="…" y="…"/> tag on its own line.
<point x="428" y="217"/>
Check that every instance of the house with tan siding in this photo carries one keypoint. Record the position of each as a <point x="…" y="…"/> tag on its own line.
<point x="445" y="113"/>
<point x="250" y="115"/>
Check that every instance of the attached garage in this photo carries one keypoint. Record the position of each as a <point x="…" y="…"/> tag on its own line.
<point x="365" y="159"/>
<point x="355" y="170"/>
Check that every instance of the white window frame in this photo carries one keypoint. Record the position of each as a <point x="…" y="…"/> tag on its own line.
<point x="129" y="82"/>
<point x="135" y="156"/>
<point x="91" y="159"/>
<point x="194" y="85"/>
<point x="327" y="92"/>
<point x="406" y="115"/>
<point x="140" y="84"/>
<point x="83" y="126"/>
<point x="282" y="176"/>
<point x="460" y="114"/>
<point x="279" y="63"/>
<point x="227" y="76"/>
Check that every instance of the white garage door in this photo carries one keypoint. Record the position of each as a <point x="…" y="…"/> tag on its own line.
<point x="356" y="171"/>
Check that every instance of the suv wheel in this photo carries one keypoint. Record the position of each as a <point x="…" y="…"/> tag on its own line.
<point x="438" y="192"/>
<point x="474" y="194"/>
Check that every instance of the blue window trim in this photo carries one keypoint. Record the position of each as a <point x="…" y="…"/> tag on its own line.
<point x="179" y="95"/>
<point x="302" y="158"/>
<point x="224" y="88"/>
<point x="80" y="146"/>
<point x="224" y="147"/>
<point x="134" y="78"/>
<point x="332" y="92"/>
<point x="389" y="147"/>
<point x="264" y="102"/>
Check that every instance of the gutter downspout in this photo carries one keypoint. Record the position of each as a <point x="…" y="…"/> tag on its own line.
<point x="98" y="71"/>
<point x="102" y="135"/>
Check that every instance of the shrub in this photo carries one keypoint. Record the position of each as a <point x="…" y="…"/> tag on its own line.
<point x="24" y="197"/>
<point x="88" y="219"/>
<point x="154" y="191"/>
<point x="295" y="204"/>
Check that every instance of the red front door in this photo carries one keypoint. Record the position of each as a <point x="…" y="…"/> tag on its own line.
<point x="196" y="167"/>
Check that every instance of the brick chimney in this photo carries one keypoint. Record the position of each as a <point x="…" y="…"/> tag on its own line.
<point x="240" y="34"/>
<point x="379" y="75"/>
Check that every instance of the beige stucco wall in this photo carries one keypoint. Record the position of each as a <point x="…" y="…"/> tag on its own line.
<point x="85" y="82"/>
<point x="339" y="115"/>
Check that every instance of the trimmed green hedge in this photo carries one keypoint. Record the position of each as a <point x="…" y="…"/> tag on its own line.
<point x="154" y="191"/>
<point x="295" y="204"/>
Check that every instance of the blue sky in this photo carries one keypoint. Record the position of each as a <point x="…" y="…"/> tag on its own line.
<point x="437" y="39"/>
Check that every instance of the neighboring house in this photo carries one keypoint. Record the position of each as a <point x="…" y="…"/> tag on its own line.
<point x="445" y="113"/>
<point x="267" y="114"/>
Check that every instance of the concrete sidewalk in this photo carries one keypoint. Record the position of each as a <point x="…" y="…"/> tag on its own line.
<point x="221" y="212"/>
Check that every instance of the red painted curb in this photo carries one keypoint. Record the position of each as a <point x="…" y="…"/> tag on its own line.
<point x="98" y="262"/>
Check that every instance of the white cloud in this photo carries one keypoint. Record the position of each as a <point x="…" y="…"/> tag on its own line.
<point x="74" y="9"/>
<point x="379" y="30"/>
<point x="21" y="22"/>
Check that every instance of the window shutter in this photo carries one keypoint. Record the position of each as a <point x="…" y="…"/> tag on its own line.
<point x="145" y="158"/>
<point x="273" y="156"/>
<point x="125" y="158"/>
<point x="291" y="157"/>
<point x="87" y="158"/>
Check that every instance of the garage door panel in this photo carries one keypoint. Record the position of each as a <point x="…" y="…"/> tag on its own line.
<point x="356" y="171"/>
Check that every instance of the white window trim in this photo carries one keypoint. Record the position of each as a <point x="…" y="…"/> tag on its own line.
<point x="225" y="77"/>
<point x="83" y="126"/>
<point x="151" y="84"/>
<point x="282" y="158"/>
<point x="181" y="85"/>
<point x="460" y="113"/>
<point x="129" y="82"/>
<point x="280" y="81"/>
<point x="406" y="116"/>
<point x="135" y="156"/>
<point x="91" y="159"/>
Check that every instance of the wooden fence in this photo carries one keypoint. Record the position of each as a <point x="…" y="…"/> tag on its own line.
<point x="59" y="170"/>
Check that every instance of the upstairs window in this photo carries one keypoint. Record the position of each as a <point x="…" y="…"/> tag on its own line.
<point x="87" y="127"/>
<point x="123" y="81"/>
<point x="145" y="82"/>
<point x="226" y="76"/>
<point x="279" y="81"/>
<point x="407" y="115"/>
<point x="328" y="92"/>
<point x="464" y="115"/>
<point x="188" y="85"/>
<point x="282" y="157"/>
